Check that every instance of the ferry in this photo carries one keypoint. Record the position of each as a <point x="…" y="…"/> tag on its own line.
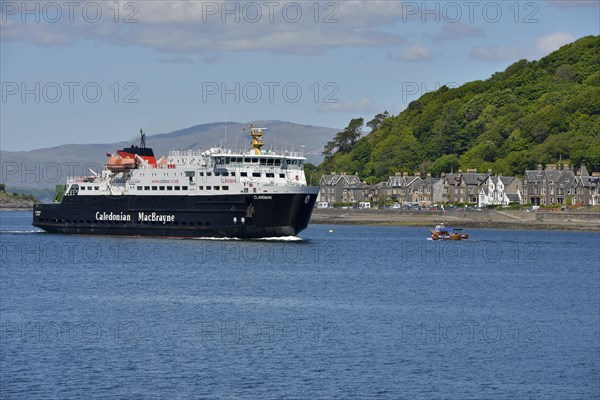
<point x="218" y="192"/>
<point x="442" y="232"/>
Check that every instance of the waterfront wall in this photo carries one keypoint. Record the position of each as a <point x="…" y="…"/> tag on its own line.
<point x="460" y="218"/>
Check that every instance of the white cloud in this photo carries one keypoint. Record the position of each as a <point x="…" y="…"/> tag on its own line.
<point x="541" y="47"/>
<point x="547" y="44"/>
<point x="496" y="53"/>
<point x="459" y="31"/>
<point x="179" y="26"/>
<point x="364" y="104"/>
<point x="413" y="53"/>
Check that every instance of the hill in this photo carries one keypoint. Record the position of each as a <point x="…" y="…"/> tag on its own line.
<point x="534" y="112"/>
<point x="45" y="168"/>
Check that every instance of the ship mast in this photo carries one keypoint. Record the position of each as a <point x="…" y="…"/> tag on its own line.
<point x="257" y="141"/>
<point x="142" y="140"/>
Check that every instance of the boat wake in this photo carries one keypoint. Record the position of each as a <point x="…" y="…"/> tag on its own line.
<point x="272" y="239"/>
<point x="282" y="239"/>
<point x="2" y="232"/>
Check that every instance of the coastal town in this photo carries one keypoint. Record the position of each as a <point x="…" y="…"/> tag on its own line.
<point x="562" y="185"/>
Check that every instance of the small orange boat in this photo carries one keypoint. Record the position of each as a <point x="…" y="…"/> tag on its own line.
<point x="444" y="233"/>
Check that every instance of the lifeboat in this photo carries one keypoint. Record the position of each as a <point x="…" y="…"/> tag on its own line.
<point x="120" y="164"/>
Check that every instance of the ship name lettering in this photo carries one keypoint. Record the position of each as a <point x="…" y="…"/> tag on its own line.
<point x="263" y="197"/>
<point x="104" y="216"/>
<point x="154" y="217"/>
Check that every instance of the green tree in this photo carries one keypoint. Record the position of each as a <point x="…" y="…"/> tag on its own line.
<point x="375" y="123"/>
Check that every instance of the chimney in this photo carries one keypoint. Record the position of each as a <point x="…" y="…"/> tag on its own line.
<point x="429" y="175"/>
<point x="539" y="167"/>
<point x="398" y="174"/>
<point x="472" y="170"/>
<point x="405" y="174"/>
<point x="460" y="171"/>
<point x="418" y="174"/>
<point x="550" y="167"/>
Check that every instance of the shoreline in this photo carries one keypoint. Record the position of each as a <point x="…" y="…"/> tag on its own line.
<point x="588" y="222"/>
<point x="512" y="220"/>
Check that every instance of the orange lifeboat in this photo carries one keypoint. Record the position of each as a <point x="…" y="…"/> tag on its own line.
<point x="119" y="164"/>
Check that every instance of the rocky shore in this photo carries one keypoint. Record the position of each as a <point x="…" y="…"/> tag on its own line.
<point x="583" y="221"/>
<point x="8" y="202"/>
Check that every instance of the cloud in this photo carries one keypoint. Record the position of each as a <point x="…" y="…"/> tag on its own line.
<point x="179" y="26"/>
<point x="459" y="31"/>
<point x="364" y="104"/>
<point x="496" y="53"/>
<point x="547" y="44"/>
<point x="541" y="46"/>
<point x="412" y="53"/>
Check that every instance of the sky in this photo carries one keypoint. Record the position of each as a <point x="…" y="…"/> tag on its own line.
<point x="98" y="71"/>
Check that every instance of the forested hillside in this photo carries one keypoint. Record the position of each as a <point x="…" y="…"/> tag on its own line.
<point x="535" y="112"/>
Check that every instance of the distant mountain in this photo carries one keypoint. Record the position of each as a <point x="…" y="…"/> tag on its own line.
<point x="534" y="112"/>
<point x="45" y="168"/>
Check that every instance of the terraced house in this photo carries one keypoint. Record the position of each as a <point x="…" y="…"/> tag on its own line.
<point x="561" y="186"/>
<point x="332" y="187"/>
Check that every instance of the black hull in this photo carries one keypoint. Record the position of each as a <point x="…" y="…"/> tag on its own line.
<point x="240" y="216"/>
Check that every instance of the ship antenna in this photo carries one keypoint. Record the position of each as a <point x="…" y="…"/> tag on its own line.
<point x="142" y="139"/>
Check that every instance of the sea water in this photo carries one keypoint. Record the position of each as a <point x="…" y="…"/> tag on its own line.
<point x="339" y="312"/>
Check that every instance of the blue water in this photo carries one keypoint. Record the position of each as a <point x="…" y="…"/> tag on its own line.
<point x="361" y="312"/>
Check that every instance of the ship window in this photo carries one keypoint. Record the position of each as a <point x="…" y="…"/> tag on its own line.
<point x="208" y="188"/>
<point x="256" y="174"/>
<point x="146" y="187"/>
<point x="83" y="188"/>
<point x="270" y="161"/>
<point x="161" y="188"/>
<point x="184" y="188"/>
<point x="225" y="187"/>
<point x="154" y="187"/>
<point x="233" y="174"/>
<point x="96" y="187"/>
<point x="216" y="188"/>
<point x="200" y="187"/>
<point x="139" y="188"/>
<point x="278" y="162"/>
<point x="243" y="174"/>
<point x="263" y="161"/>
<point x="255" y="160"/>
<point x="217" y="173"/>
<point x="177" y="188"/>
<point x="282" y="175"/>
<point x="201" y="173"/>
<point x="225" y="173"/>
<point x="169" y="187"/>
<point x="208" y="173"/>
<point x="270" y="175"/>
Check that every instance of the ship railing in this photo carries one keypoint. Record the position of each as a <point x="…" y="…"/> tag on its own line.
<point x="80" y="179"/>
<point x="250" y="153"/>
<point x="242" y="152"/>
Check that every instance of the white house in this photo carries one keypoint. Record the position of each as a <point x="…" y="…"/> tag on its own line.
<point x="500" y="191"/>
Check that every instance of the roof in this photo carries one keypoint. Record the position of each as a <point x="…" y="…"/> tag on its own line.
<point x="513" y="197"/>
<point x="333" y="180"/>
